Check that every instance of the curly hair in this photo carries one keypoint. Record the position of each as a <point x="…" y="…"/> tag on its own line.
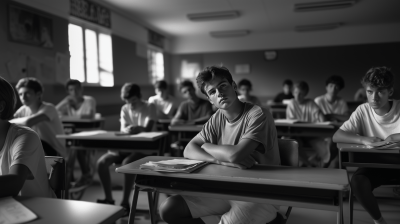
<point x="378" y="77"/>
<point x="209" y="73"/>
<point x="7" y="94"/>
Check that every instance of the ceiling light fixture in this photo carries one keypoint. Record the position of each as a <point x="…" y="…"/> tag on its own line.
<point x="229" y="33"/>
<point x="213" y="16"/>
<point x="314" y="6"/>
<point x="316" y="27"/>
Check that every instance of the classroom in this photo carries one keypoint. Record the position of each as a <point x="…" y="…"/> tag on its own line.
<point x="212" y="111"/>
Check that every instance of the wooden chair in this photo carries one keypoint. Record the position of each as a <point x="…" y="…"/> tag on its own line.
<point x="56" y="170"/>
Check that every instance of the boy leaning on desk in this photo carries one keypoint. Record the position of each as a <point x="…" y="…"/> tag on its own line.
<point x="373" y="123"/>
<point x="237" y="135"/>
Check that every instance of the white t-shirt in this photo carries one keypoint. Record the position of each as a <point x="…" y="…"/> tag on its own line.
<point x="365" y="122"/>
<point x="87" y="107"/>
<point x="338" y="107"/>
<point x="308" y="111"/>
<point x="139" y="116"/>
<point x="23" y="146"/>
<point x="47" y="130"/>
<point x="165" y="108"/>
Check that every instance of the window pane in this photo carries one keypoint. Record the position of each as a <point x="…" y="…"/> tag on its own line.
<point x="106" y="79"/>
<point x="105" y="48"/>
<point x="76" y="64"/>
<point x="156" y="65"/>
<point x="92" y="67"/>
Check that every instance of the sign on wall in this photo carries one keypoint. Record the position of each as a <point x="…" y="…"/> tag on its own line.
<point x="91" y="12"/>
<point x="156" y="39"/>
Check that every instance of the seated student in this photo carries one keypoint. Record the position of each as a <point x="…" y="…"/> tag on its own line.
<point x="286" y="94"/>
<point x="194" y="110"/>
<point x="360" y="95"/>
<point x="306" y="110"/>
<point x="252" y="139"/>
<point x="244" y="89"/>
<point x="22" y="165"/>
<point x="76" y="104"/>
<point x="333" y="107"/>
<point x="41" y="116"/>
<point x="375" y="121"/>
<point x="136" y="116"/>
<point x="166" y="104"/>
<point x="80" y="106"/>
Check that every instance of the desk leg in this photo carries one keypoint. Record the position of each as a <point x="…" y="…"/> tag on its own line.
<point x="151" y="206"/>
<point x="133" y="206"/>
<point x="340" y="159"/>
<point x="340" y="212"/>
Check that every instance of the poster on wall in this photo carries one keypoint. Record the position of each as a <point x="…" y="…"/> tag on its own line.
<point x="29" y="28"/>
<point x="91" y="12"/>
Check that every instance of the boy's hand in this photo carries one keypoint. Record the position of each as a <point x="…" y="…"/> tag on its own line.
<point x="370" y="140"/>
<point x="248" y="162"/>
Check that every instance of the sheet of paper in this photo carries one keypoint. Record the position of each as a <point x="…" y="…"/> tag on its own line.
<point x="178" y="161"/>
<point x="62" y="68"/>
<point x="12" y="211"/>
<point x="89" y="133"/>
<point x="146" y="134"/>
<point x="286" y="121"/>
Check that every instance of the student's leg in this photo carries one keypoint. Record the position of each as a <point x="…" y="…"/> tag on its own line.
<point x="129" y="179"/>
<point x="83" y="157"/>
<point x="103" y="164"/>
<point x="247" y="212"/>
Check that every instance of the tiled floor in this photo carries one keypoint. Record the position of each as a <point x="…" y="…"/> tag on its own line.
<point x="389" y="205"/>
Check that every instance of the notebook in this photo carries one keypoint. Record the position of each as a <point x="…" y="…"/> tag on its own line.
<point x="13" y="212"/>
<point x="174" y="165"/>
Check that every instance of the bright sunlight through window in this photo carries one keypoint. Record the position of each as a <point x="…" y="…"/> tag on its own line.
<point x="156" y="65"/>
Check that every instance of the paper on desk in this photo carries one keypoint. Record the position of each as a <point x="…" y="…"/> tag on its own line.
<point x="89" y="133"/>
<point x="146" y="134"/>
<point x="12" y="211"/>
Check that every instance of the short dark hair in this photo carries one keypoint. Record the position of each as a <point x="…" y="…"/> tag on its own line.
<point x="7" y="94"/>
<point x="30" y="83"/>
<point x="129" y="90"/>
<point x="245" y="82"/>
<point x="287" y="82"/>
<point x="73" y="82"/>
<point x="161" y="84"/>
<point x="302" y="86"/>
<point x="337" y="80"/>
<point x="186" y="83"/>
<point x="378" y="77"/>
<point x="209" y="73"/>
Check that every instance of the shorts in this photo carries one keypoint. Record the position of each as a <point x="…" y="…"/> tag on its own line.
<point x="213" y="211"/>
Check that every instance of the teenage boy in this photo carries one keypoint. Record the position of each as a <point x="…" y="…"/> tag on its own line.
<point x="245" y="88"/>
<point x="41" y="116"/>
<point x="238" y="135"/>
<point x="375" y="121"/>
<point x="80" y="106"/>
<point x="136" y="116"/>
<point x="76" y="104"/>
<point x="306" y="110"/>
<point x="333" y="107"/>
<point x="166" y="104"/>
<point x="286" y="93"/>
<point x="193" y="110"/>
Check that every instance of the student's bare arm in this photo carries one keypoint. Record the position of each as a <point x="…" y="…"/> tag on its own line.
<point x="177" y="119"/>
<point x="60" y="106"/>
<point x="31" y="120"/>
<point x="348" y="137"/>
<point x="393" y="138"/>
<point x="15" y="180"/>
<point x="193" y="150"/>
<point x="232" y="153"/>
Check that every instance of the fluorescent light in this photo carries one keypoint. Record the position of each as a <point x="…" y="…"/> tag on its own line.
<point x="213" y="16"/>
<point x="229" y="33"/>
<point x="327" y="26"/>
<point x="314" y="6"/>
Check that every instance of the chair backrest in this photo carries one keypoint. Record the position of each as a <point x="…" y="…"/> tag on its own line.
<point x="56" y="169"/>
<point x="289" y="152"/>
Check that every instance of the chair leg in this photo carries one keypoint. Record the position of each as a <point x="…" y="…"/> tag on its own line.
<point x="351" y="202"/>
<point x="151" y="206"/>
<point x="287" y="214"/>
<point x="133" y="206"/>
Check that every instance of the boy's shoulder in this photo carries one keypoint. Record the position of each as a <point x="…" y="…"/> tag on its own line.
<point x="22" y="130"/>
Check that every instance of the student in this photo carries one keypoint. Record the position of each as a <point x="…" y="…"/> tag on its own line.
<point x="252" y="139"/>
<point x="286" y="94"/>
<point x="245" y="88"/>
<point x="136" y="116"/>
<point x="333" y="107"/>
<point x="375" y="121"/>
<point x="306" y="110"/>
<point x="41" y="116"/>
<point x="166" y="104"/>
<point x="22" y="165"/>
<point x="76" y="104"/>
<point x="194" y="110"/>
<point x="360" y="95"/>
<point x="80" y="106"/>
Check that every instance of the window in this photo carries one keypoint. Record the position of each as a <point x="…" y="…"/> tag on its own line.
<point x="156" y="65"/>
<point x="91" y="56"/>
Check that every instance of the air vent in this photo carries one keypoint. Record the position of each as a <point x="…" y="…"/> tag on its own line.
<point x="213" y="16"/>
<point x="229" y="33"/>
<point x="314" y="6"/>
<point x="316" y="27"/>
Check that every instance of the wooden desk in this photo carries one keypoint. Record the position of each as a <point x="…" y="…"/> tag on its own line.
<point x="354" y="149"/>
<point x="313" y="188"/>
<point x="84" y="124"/>
<point x="51" y="210"/>
<point x="306" y="129"/>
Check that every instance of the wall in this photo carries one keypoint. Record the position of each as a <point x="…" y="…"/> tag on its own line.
<point x="313" y="65"/>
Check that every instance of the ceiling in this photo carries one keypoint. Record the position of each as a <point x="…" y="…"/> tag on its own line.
<point x="258" y="16"/>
